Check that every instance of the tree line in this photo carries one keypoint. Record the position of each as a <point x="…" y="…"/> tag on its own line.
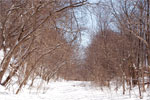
<point x="37" y="38"/>
<point x="41" y="38"/>
<point x="119" y="50"/>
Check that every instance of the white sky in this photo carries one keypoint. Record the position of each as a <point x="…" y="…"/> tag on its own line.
<point x="91" y="26"/>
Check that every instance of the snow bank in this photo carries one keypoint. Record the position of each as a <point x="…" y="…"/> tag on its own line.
<point x="70" y="90"/>
<point x="67" y="90"/>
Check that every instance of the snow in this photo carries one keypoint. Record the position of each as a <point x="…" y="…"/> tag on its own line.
<point x="69" y="90"/>
<point x="1" y="55"/>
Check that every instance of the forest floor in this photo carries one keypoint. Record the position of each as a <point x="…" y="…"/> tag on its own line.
<point x="70" y="90"/>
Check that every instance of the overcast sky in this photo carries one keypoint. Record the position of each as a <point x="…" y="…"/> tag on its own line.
<point x="91" y="26"/>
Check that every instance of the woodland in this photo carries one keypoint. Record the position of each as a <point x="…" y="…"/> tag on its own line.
<point x="43" y="38"/>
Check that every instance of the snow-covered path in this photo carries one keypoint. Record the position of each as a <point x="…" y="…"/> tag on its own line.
<point x="68" y="90"/>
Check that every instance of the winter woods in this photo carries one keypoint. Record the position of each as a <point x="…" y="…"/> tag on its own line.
<point x="41" y="38"/>
<point x="120" y="49"/>
<point x="37" y="38"/>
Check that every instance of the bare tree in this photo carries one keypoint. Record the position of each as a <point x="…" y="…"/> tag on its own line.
<point x="34" y="37"/>
<point x="122" y="52"/>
